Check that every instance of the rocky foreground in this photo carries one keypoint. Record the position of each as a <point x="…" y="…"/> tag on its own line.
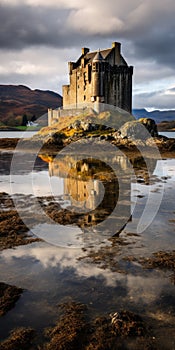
<point x="75" y="328"/>
<point x="8" y="143"/>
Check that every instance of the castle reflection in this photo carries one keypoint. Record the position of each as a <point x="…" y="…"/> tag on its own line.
<point x="100" y="191"/>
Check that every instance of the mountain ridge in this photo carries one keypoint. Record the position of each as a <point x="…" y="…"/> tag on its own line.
<point x="17" y="100"/>
<point x="158" y="115"/>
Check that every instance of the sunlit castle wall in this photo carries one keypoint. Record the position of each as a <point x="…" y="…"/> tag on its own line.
<point x="102" y="76"/>
<point x="97" y="77"/>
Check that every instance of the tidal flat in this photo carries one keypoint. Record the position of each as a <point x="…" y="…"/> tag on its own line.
<point x="87" y="252"/>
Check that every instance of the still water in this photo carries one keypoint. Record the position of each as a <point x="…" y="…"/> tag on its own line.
<point x="139" y="205"/>
<point x="16" y="134"/>
<point x="169" y="134"/>
<point x="26" y="134"/>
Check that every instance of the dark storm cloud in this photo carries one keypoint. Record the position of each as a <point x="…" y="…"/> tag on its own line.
<point x="149" y="29"/>
<point x="23" y="26"/>
<point x="38" y="37"/>
<point x="159" y="46"/>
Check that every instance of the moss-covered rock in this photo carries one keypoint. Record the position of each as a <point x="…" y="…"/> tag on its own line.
<point x="150" y="125"/>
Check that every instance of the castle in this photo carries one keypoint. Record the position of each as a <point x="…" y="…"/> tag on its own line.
<point x="97" y="77"/>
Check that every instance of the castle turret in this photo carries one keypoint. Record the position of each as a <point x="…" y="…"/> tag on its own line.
<point x="117" y="53"/>
<point x="98" y="69"/>
<point x="84" y="50"/>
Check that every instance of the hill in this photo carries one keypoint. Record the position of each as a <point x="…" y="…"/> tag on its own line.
<point x="158" y="116"/>
<point x="19" y="100"/>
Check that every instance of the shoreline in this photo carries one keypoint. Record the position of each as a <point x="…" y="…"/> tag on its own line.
<point x="164" y="145"/>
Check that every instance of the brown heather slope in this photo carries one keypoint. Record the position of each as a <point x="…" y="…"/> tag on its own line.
<point x="18" y="100"/>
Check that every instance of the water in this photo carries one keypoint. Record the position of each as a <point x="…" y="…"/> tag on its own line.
<point x="51" y="272"/>
<point x="16" y="134"/>
<point x="169" y="134"/>
<point x="26" y="134"/>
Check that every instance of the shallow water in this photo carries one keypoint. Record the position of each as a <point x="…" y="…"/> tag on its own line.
<point x="16" y="134"/>
<point x="169" y="134"/>
<point x="51" y="272"/>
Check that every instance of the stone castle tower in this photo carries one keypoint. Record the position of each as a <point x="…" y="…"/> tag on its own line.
<point x="102" y="76"/>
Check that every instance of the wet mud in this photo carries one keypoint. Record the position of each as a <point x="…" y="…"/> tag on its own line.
<point x="8" y="143"/>
<point x="75" y="330"/>
<point x="108" y="257"/>
<point x="19" y="339"/>
<point x="161" y="260"/>
<point x="9" y="295"/>
<point x="13" y="231"/>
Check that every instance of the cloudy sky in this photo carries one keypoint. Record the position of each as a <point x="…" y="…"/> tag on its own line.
<point x="39" y="37"/>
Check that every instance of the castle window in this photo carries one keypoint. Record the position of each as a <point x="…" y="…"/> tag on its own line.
<point x="84" y="97"/>
<point x="89" y="73"/>
<point x="95" y="66"/>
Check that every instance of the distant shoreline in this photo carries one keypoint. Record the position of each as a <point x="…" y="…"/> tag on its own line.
<point x="168" y="126"/>
<point x="19" y="130"/>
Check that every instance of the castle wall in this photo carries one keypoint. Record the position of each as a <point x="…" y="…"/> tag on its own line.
<point x="53" y="116"/>
<point x="111" y="83"/>
<point x="79" y="90"/>
<point x="118" y="88"/>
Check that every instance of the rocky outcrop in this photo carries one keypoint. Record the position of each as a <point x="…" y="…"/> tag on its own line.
<point x="132" y="130"/>
<point x="140" y="129"/>
<point x="87" y="125"/>
<point x="150" y="125"/>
